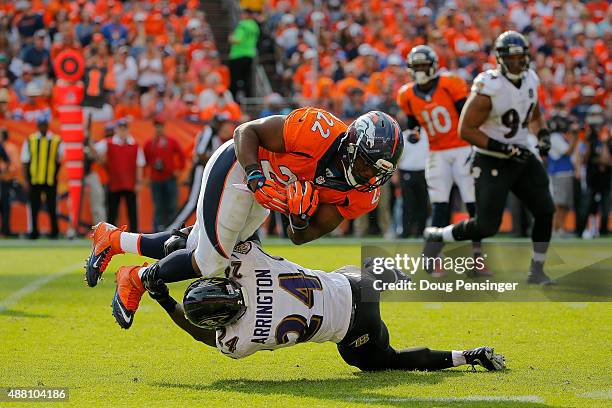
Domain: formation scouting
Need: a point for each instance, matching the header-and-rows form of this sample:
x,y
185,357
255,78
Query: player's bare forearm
x,y
250,136
324,220
537,121
177,315
474,114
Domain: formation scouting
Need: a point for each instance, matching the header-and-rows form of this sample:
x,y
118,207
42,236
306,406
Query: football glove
x,y
268,193
178,240
514,152
412,136
302,199
543,142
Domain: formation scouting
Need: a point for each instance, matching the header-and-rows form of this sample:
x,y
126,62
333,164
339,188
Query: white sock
x,y
140,271
447,233
130,242
458,358
539,257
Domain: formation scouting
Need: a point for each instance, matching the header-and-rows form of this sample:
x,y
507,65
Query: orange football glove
x,y
302,199
271,195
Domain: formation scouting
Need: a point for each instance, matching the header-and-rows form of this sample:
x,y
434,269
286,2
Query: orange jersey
x,y
312,137
436,111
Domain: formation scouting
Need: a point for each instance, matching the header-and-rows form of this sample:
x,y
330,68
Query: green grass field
x,y
56,332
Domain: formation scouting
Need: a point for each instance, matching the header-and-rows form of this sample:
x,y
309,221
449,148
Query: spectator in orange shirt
x,y
4,100
128,107
151,102
350,81
222,107
34,106
219,68
64,40
213,92
325,97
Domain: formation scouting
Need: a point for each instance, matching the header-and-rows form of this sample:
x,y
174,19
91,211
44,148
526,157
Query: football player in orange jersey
x,y
434,102
308,165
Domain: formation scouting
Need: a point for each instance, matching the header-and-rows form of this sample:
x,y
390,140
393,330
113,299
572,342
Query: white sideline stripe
x,y
475,398
15,297
603,394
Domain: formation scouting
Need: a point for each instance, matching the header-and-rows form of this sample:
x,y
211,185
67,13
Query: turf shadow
x,y
19,313
362,390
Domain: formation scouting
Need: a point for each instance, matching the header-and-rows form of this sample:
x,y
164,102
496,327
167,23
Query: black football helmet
x,y
371,148
559,123
508,44
420,56
211,303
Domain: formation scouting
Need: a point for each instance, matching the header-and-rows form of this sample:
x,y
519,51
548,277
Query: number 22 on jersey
x,y
318,126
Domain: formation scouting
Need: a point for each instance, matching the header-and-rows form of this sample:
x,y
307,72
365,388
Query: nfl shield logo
x,y
531,92
320,180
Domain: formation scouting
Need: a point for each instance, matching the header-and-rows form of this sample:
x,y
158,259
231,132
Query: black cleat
x,y
433,234
537,276
485,357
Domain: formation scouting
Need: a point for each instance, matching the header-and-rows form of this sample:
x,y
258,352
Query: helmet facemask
x,y
504,54
422,72
362,173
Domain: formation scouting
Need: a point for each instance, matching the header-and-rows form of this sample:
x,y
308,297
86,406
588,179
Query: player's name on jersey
x,y
459,285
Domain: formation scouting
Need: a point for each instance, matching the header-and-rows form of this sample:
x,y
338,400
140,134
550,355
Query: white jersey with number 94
x,y
511,108
286,304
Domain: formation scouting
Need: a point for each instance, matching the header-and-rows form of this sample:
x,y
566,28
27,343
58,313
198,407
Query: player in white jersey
x,y
500,114
266,302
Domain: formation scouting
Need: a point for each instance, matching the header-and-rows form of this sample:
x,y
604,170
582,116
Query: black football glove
x,y
543,142
514,152
178,240
413,136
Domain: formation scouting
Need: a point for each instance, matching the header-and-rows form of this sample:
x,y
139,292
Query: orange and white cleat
x,y
127,295
106,244
481,270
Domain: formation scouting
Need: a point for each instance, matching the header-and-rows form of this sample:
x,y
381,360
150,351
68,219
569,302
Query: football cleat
x,y
485,357
437,271
484,270
537,275
105,245
433,234
127,295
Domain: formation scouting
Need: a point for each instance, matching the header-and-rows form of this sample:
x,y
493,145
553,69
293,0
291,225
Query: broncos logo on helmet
x,y
372,147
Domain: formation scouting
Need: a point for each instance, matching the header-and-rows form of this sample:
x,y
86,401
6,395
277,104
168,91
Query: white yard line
x,y
475,398
15,297
602,394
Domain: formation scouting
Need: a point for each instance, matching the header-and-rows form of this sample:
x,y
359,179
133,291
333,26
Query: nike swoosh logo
x,y
125,317
96,263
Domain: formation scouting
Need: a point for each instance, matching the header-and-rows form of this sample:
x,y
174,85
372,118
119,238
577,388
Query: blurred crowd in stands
x,y
158,60
142,59
349,57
